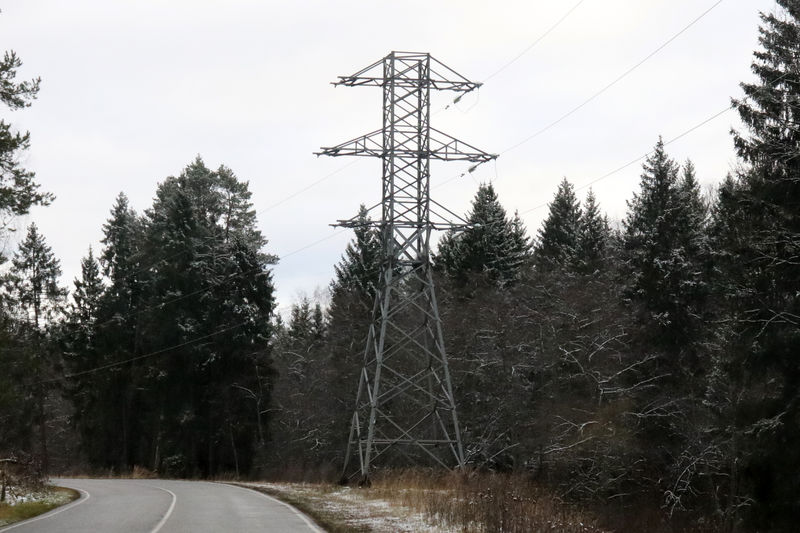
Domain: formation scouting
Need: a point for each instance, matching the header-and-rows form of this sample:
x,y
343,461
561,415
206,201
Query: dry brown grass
x,y
471,502
474,502
140,472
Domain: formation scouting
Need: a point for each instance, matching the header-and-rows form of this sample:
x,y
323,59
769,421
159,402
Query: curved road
x,y
165,506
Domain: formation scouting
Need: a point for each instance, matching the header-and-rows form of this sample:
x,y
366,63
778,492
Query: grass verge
x,y
434,502
45,501
307,500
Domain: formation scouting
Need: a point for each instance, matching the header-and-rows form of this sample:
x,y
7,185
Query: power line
x,y
306,188
643,156
493,74
593,96
231,277
303,248
612,83
517,57
532,45
581,187
327,176
471,169
144,356
182,297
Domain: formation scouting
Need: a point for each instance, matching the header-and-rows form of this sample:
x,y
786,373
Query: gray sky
x,y
132,91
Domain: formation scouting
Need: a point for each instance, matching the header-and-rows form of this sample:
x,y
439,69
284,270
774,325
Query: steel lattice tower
x,y
405,396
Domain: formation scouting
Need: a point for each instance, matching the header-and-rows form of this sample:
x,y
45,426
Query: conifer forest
x,y
646,363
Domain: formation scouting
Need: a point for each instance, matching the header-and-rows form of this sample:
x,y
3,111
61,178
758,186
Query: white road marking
x,y
303,517
84,497
168,513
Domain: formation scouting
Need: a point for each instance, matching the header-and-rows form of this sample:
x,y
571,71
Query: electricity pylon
x,y
405,396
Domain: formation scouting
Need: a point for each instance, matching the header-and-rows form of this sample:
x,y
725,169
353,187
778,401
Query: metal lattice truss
x,y
404,402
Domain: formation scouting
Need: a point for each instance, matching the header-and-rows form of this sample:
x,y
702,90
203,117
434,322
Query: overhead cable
x,y
612,83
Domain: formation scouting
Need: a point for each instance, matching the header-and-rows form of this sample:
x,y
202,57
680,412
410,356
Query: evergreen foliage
x,y
38,300
359,269
594,235
18,190
35,273
757,237
122,235
560,235
192,269
491,246
88,292
666,244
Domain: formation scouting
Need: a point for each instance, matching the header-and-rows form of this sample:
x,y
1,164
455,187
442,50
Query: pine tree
x,y
492,245
560,233
189,280
209,275
18,190
18,193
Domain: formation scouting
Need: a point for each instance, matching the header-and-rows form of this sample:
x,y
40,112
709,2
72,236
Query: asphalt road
x,y
165,506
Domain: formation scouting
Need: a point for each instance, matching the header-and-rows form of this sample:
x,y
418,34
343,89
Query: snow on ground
x,y
15,495
352,507
48,496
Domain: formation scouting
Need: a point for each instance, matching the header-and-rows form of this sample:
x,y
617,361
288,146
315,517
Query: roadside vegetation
x,y
23,503
24,492
428,501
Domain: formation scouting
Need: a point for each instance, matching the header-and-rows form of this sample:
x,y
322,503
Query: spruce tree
x,y
770,110
757,237
352,292
111,397
35,273
87,294
593,236
665,243
90,395
122,236
560,233
358,271
492,245
318,323
301,322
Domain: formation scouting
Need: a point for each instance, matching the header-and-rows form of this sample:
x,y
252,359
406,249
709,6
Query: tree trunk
x,y
43,433
233,447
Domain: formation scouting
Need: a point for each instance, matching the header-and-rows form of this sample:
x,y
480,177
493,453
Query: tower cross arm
x,y
370,145
440,76
447,148
442,146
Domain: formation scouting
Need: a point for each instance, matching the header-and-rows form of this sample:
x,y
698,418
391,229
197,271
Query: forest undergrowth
x,y
471,502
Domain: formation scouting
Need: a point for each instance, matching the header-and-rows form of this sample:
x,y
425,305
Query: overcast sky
x,y
132,91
